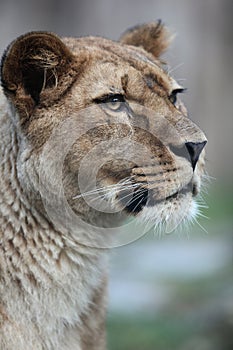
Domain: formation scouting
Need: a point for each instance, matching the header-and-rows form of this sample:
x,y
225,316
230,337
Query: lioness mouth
x,y
186,189
135,201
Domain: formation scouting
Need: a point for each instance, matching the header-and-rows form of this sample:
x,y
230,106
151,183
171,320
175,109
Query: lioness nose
x,y
194,150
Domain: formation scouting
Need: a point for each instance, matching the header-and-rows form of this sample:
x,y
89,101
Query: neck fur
x,y
49,276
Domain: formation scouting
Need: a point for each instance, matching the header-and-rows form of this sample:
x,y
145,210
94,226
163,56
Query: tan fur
x,y
52,285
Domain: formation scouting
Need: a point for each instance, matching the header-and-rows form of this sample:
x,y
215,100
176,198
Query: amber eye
x,y
115,102
173,95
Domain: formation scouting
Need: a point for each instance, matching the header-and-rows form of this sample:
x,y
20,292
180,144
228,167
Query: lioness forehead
x,y
113,64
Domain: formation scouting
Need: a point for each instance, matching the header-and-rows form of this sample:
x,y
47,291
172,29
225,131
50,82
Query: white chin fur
x,y
167,216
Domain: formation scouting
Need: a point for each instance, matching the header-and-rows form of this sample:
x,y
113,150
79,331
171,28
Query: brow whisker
x,y
172,70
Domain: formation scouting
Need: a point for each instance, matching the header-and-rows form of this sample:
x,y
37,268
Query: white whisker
x,y
138,204
198,223
203,216
203,206
131,194
208,177
106,189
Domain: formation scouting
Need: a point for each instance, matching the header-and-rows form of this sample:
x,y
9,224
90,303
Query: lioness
x,y
110,112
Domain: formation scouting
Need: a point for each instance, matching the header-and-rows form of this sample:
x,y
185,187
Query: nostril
x,y
190,151
194,150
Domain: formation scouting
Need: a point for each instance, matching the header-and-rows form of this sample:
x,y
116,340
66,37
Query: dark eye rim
x,y
111,98
174,93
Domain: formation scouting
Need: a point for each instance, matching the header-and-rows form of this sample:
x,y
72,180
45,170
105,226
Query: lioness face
x,y
132,148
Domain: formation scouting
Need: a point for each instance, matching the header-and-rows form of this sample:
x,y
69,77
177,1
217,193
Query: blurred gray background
x,y
175,292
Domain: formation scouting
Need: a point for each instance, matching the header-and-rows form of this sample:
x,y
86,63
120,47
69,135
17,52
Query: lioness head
x,y
105,120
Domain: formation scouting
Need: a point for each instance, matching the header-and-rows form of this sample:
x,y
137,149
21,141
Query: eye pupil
x,y
114,99
114,102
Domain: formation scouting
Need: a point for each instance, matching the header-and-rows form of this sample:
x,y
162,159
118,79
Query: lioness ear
x,y
153,37
32,66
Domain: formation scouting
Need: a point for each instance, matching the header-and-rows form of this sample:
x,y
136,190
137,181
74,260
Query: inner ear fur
x,y
33,63
153,37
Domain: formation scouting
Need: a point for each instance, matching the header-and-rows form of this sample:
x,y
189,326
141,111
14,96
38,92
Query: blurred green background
x,y
175,291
